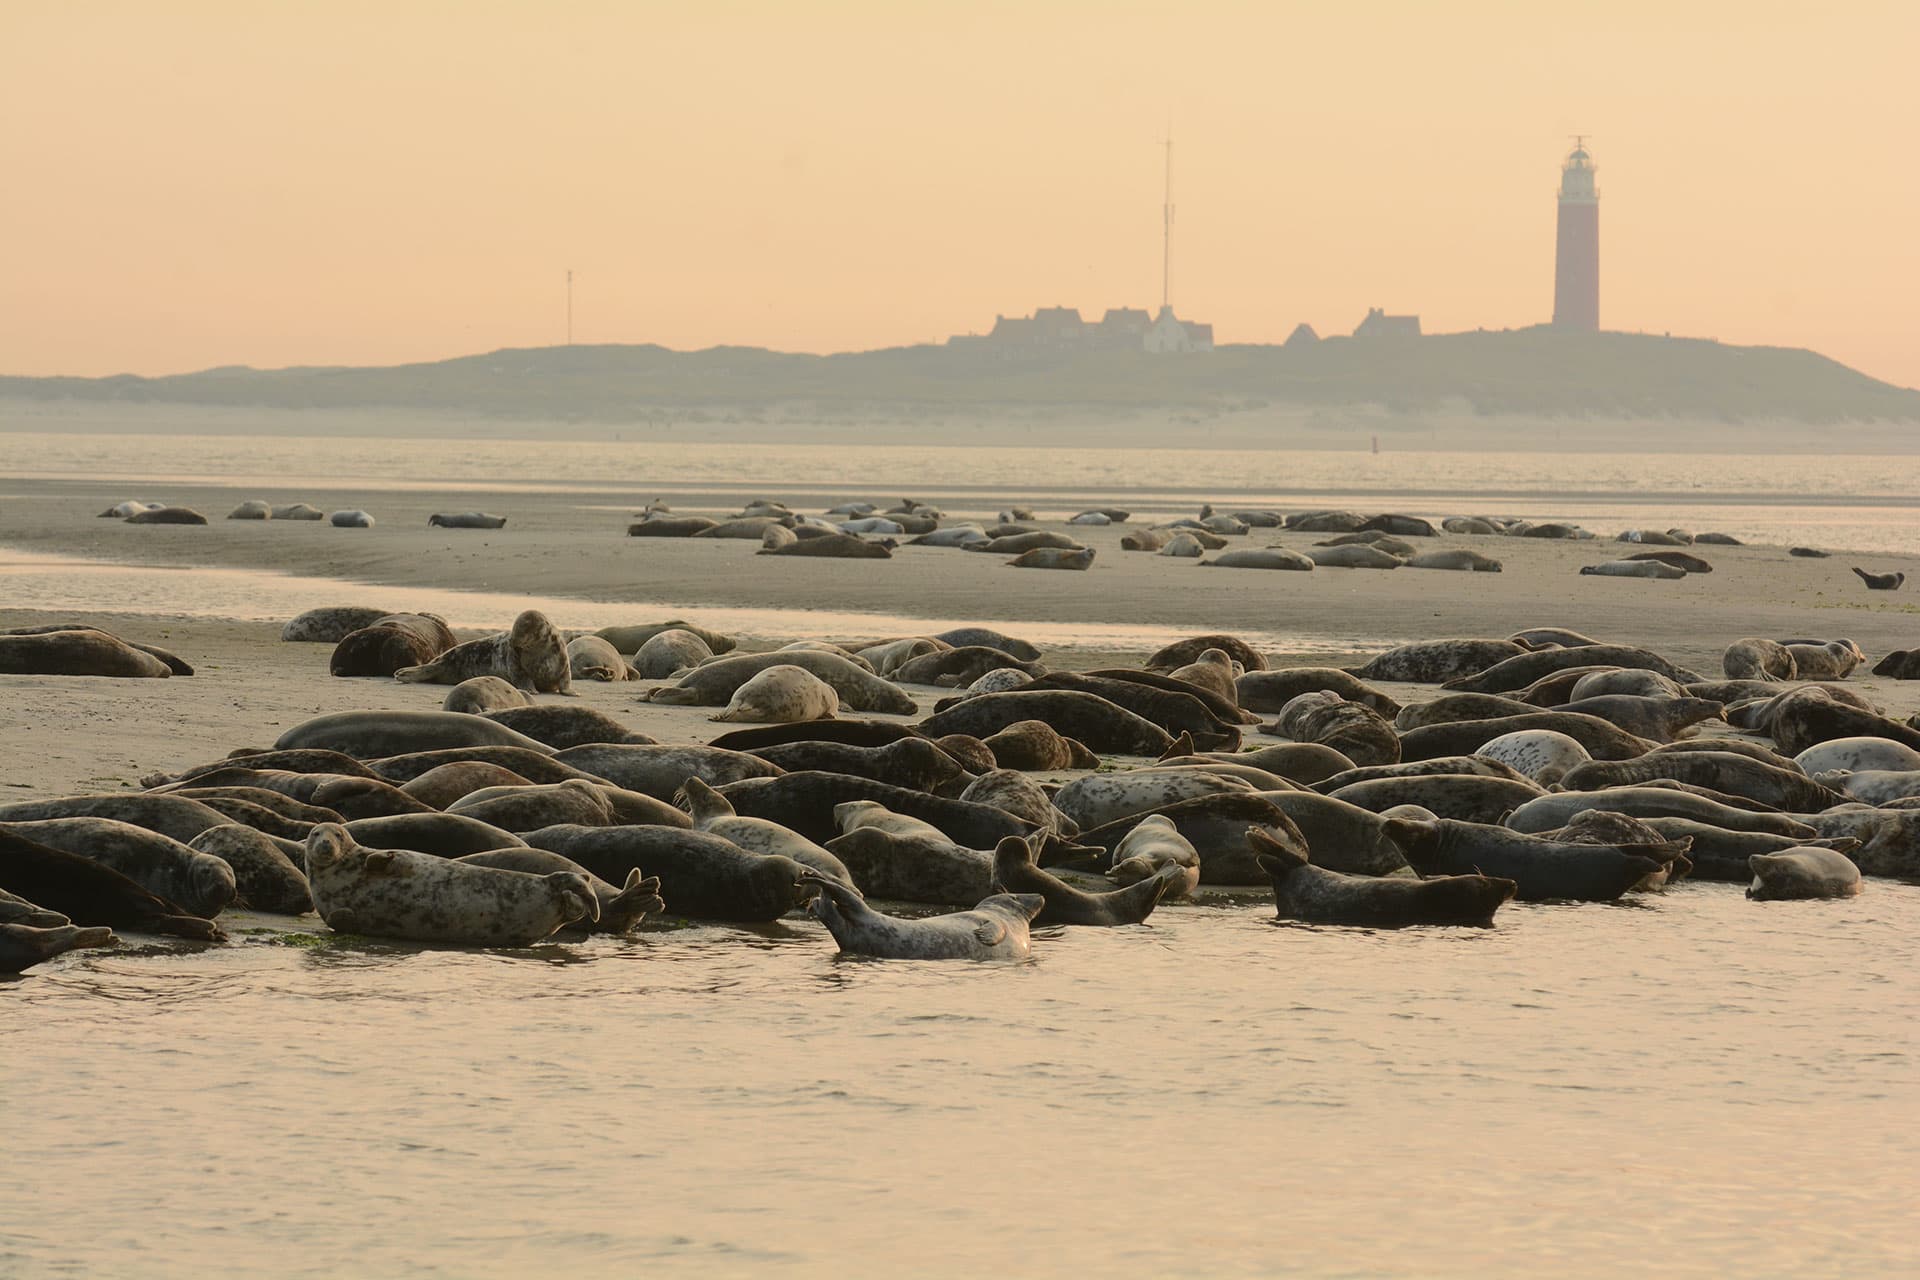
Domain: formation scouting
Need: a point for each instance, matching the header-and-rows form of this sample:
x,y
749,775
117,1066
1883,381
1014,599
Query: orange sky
x,y
193,184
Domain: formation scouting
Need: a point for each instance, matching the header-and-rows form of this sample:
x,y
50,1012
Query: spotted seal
x,y
659,770
167,515
91,893
529,656
910,761
1721,771
1523,669
482,694
1102,798
200,883
1858,755
1543,755
1459,558
1182,652
451,782
465,520
1470,798
1259,558
996,929
354,519
905,863
265,875
330,625
1272,690
1757,658
1087,718
23,946
836,546
781,694
1015,870
1432,661
445,835
399,893
565,725
622,907
702,877
1602,739
1358,732
1658,719
668,653
630,639
712,814
1034,745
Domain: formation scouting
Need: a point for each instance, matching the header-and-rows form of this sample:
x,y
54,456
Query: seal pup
x,y
330,625
465,520
482,694
1802,873
996,929
713,814
23,946
92,893
1016,871
529,656
354,519
1156,847
781,694
1880,581
1314,895
398,893
622,907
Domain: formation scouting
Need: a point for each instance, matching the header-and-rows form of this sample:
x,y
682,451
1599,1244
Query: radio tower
x,y
1166,230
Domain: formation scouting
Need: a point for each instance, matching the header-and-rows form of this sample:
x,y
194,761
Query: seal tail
x,y
1183,745
702,801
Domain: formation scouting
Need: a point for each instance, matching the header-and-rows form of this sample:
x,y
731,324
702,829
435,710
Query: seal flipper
x,y
703,802
1183,745
638,899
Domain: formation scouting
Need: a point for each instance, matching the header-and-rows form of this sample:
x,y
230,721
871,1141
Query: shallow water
x,y
1860,503
1691,1084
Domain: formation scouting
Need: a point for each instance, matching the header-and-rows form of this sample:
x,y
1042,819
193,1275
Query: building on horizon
x,y
1063,329
1576,259
1378,324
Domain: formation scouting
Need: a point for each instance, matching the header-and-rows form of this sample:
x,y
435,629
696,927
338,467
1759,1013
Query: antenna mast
x,y
1166,225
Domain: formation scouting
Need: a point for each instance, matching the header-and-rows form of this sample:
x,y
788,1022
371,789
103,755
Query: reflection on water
x,y
1704,1086
55,583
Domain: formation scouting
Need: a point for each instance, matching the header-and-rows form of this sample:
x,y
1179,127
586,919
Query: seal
x,y
265,877
1833,660
1539,869
1215,673
1259,558
1810,715
298,511
1021,796
1673,559
1721,771
1874,786
911,761
1354,555
1339,835
1757,658
483,694
575,802
17,910
775,536
1273,690
996,929
1858,755
1182,652
814,803
1452,708
1432,661
1469,797
714,815
631,639
1460,558
1602,739
1358,732
399,893
715,683
1472,525
391,643
1658,719
1880,581
530,656
534,764
961,637
837,546
1090,719
79,652
1053,558
449,783
592,658
1185,545
201,884
622,907
465,520
330,626
660,770
1541,754
1523,670
669,526
668,653
1102,798
1156,848
23,946
852,733
445,835
902,863
564,726
1216,826
1034,746
167,515
254,510
1628,681
1370,538
91,893
702,877
1315,895
355,519
1466,766
783,695
962,665
174,816
373,735
1145,539
1176,707
1016,871
1802,873
1551,812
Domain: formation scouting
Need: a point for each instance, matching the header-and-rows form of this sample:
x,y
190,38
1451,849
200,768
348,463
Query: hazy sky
x,y
190,184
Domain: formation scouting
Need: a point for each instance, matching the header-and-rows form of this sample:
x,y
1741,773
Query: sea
x,y
1685,1083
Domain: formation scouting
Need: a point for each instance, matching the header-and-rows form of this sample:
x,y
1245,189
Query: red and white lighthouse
x,y
1576,262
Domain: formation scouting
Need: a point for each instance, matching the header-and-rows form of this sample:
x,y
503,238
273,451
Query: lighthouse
x,y
1576,263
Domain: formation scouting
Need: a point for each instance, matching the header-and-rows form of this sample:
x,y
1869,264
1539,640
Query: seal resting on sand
x,y
530,656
